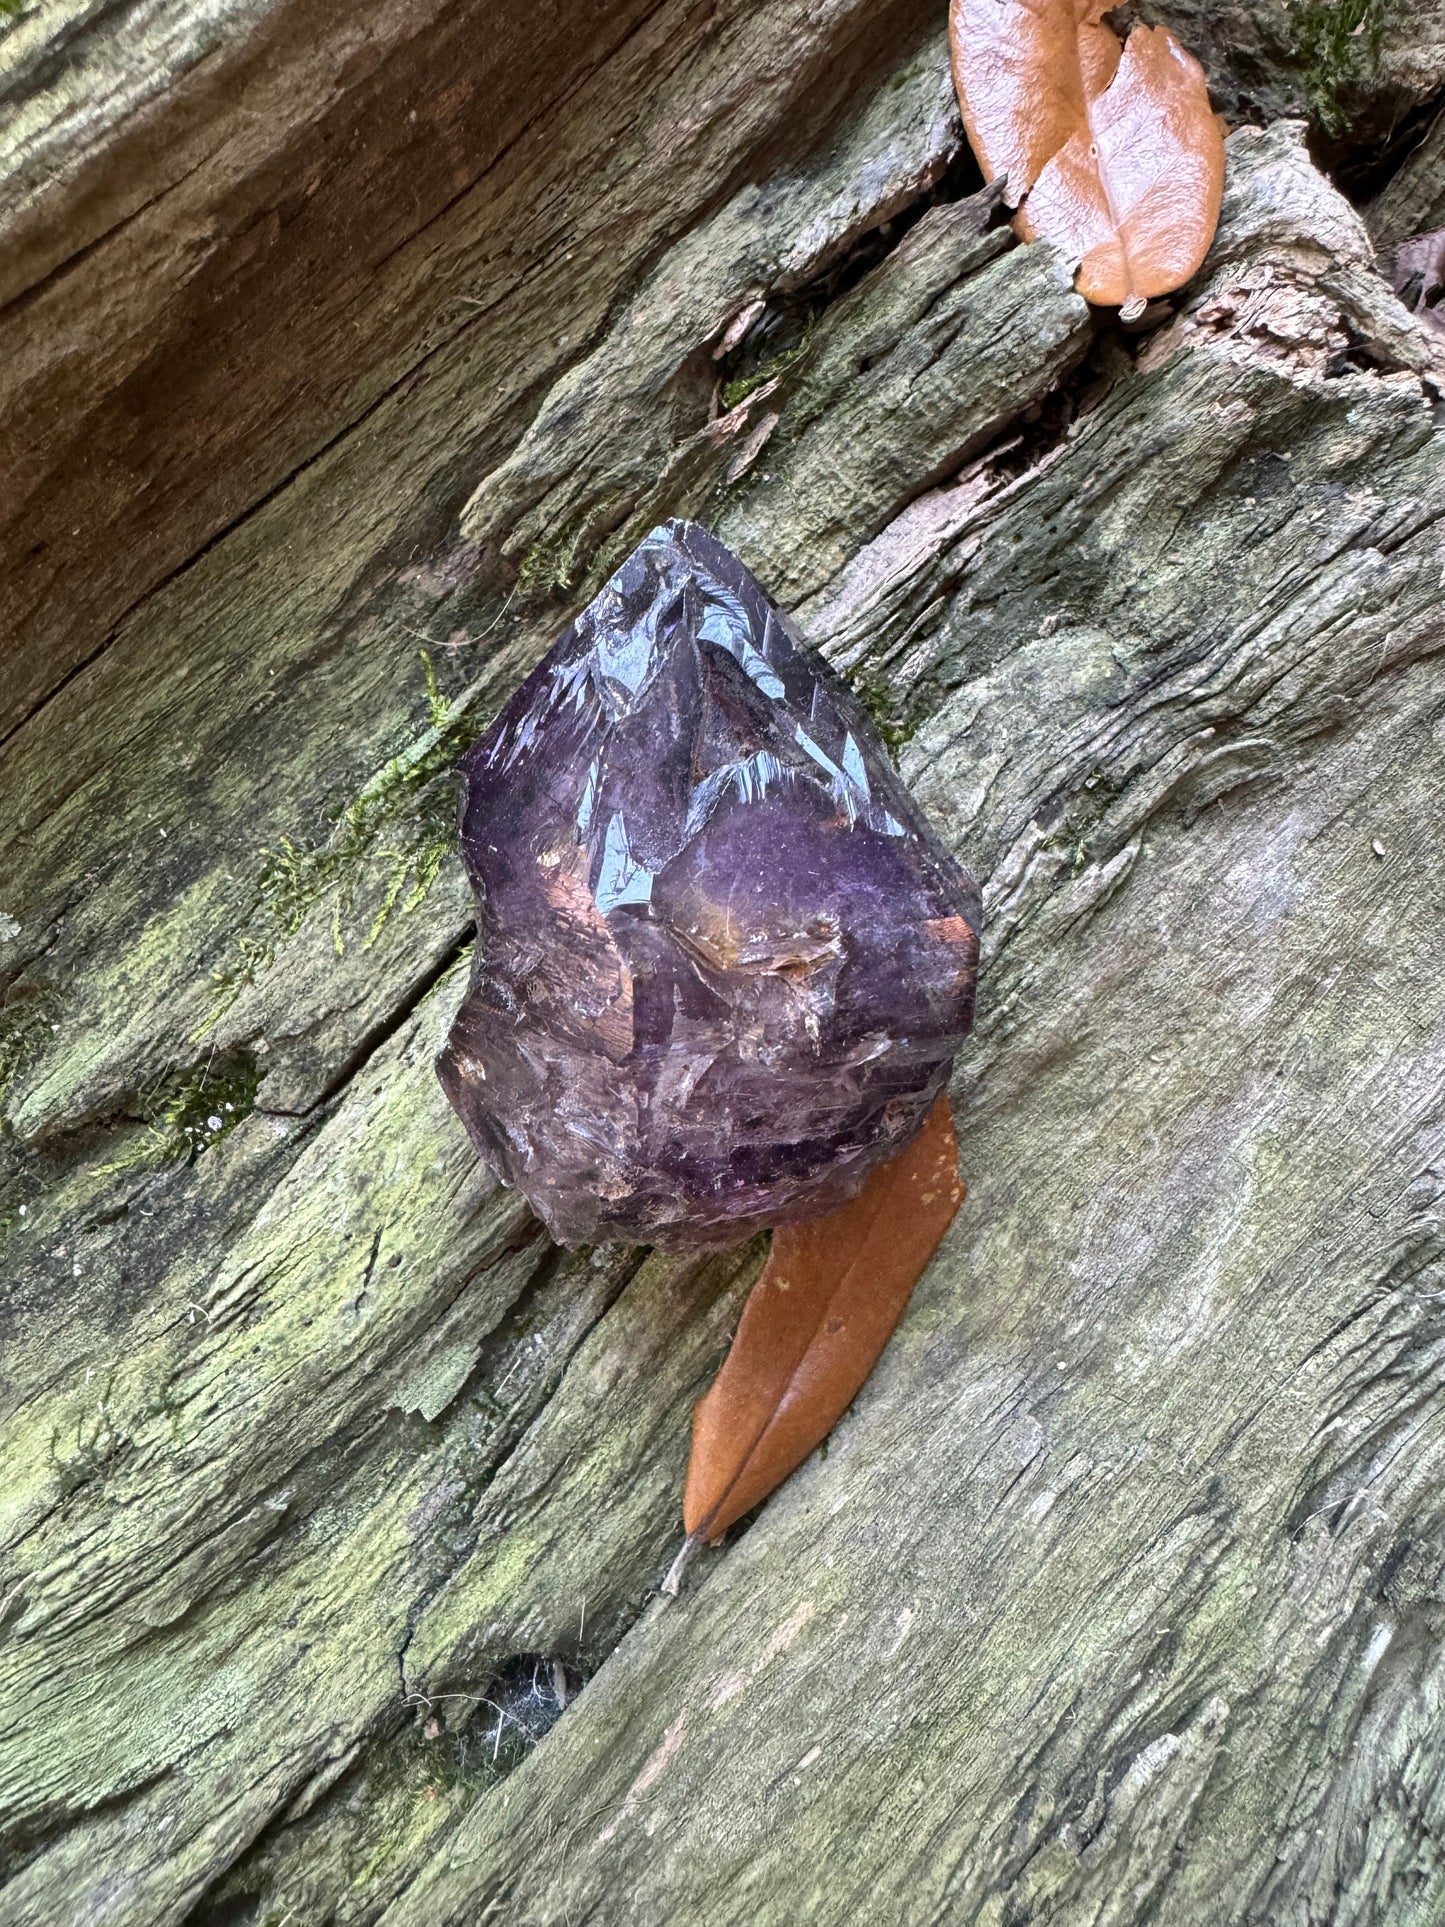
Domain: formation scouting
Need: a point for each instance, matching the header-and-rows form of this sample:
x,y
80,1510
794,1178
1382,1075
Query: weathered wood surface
x,y
1118,1597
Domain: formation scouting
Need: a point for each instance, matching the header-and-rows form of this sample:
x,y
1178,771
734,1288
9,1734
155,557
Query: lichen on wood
x,y
335,1499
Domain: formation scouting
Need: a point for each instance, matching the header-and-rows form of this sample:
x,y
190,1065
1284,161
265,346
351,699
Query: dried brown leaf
x,y
1113,153
812,1331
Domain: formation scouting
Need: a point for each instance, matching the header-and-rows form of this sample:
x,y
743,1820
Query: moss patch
x,y
403,819
882,704
550,569
188,1112
777,363
1340,42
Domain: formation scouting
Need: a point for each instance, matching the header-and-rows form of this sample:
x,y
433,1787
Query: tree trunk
x,y
345,355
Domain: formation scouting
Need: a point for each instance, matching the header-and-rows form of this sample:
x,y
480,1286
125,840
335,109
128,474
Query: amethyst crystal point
x,y
723,962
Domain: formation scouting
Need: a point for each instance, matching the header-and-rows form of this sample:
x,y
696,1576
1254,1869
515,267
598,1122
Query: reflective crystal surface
x,y
723,962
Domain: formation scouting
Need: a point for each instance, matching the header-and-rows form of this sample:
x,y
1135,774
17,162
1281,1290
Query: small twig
x,y
497,1389
429,1700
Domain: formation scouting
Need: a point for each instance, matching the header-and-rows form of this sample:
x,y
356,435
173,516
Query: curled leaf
x,y
812,1331
1113,153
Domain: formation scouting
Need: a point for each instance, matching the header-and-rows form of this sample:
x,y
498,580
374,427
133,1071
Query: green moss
x,y
562,565
881,703
404,819
1074,838
744,385
186,1114
1340,44
539,575
551,568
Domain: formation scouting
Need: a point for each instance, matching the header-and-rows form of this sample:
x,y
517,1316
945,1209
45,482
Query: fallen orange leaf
x,y
818,1318
1113,153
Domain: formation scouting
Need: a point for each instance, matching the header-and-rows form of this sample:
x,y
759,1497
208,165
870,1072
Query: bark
x,y
343,360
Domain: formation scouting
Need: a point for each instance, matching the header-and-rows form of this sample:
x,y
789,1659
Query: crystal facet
x,y
723,962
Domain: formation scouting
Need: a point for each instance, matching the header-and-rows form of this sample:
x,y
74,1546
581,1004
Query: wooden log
x,y
334,1499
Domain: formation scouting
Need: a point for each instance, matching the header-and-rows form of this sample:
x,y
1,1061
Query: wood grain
x,y
1118,1594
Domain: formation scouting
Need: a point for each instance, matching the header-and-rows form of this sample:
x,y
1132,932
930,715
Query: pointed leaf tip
x,y
812,1330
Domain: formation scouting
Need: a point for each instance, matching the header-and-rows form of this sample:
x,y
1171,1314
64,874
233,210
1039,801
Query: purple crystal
x,y
723,962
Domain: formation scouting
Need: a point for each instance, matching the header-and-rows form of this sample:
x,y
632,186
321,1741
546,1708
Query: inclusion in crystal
x,y
723,962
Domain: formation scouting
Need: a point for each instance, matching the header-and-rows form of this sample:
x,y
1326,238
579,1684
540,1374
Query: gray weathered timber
x,y
327,1482
1413,200
319,224
1118,1597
